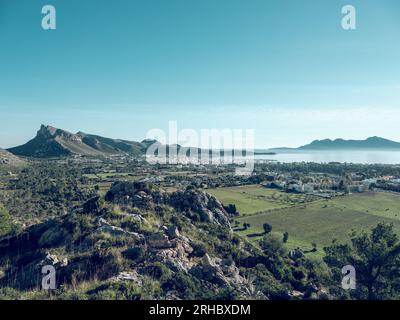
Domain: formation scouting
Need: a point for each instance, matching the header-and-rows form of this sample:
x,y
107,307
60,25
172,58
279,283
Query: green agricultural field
x,y
322,221
308,219
253,199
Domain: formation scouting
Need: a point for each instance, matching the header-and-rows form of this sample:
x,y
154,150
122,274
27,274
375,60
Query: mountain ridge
x,y
53,142
370,143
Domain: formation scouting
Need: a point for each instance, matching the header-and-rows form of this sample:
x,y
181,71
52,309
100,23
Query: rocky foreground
x,y
141,243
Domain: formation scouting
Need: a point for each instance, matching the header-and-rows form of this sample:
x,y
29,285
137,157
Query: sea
x,y
342,156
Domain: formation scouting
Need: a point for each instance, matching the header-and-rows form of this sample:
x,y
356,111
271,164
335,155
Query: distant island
x,y
372,143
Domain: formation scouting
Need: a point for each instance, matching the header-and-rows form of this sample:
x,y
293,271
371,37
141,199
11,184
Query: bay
x,y
342,156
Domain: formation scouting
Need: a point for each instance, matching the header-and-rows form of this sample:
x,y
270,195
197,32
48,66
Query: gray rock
x,y
51,259
129,276
102,222
116,231
173,232
158,241
208,208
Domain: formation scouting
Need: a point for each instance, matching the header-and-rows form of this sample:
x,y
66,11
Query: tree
x,y
272,246
267,228
231,209
285,237
246,226
314,247
376,259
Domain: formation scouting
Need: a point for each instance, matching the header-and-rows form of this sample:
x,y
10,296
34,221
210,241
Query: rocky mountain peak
x,y
47,130
52,132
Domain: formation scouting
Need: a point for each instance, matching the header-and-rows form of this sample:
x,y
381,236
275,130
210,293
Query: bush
x,y
268,284
135,253
272,246
188,287
199,249
105,264
267,228
9,294
123,290
157,271
231,209
7,226
228,294
285,237
52,237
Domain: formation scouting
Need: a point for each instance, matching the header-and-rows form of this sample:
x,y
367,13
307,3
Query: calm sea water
x,y
362,157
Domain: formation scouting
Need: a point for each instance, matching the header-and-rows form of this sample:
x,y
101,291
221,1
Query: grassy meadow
x,y
252,199
308,220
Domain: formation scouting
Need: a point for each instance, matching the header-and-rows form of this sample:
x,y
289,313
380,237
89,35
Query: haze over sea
x,y
343,156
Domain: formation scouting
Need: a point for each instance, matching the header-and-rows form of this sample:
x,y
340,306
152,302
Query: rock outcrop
x,y
137,194
195,204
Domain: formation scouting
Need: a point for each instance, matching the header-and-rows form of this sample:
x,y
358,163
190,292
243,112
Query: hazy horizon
x,y
285,69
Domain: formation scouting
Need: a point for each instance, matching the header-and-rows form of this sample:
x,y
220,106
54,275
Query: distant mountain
x,y
8,158
53,142
372,143
341,144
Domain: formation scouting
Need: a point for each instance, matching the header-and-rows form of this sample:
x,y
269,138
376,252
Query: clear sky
x,y
284,68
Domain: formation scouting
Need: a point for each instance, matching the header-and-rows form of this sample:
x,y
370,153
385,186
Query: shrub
x,y
272,246
7,226
227,294
9,294
267,228
186,286
135,253
157,271
52,237
285,237
124,290
106,263
199,249
268,284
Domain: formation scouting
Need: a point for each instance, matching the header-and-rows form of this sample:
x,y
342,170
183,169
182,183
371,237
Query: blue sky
x,y
284,68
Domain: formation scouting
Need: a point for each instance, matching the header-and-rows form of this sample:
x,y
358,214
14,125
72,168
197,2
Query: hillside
x,y
155,245
53,142
10,159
